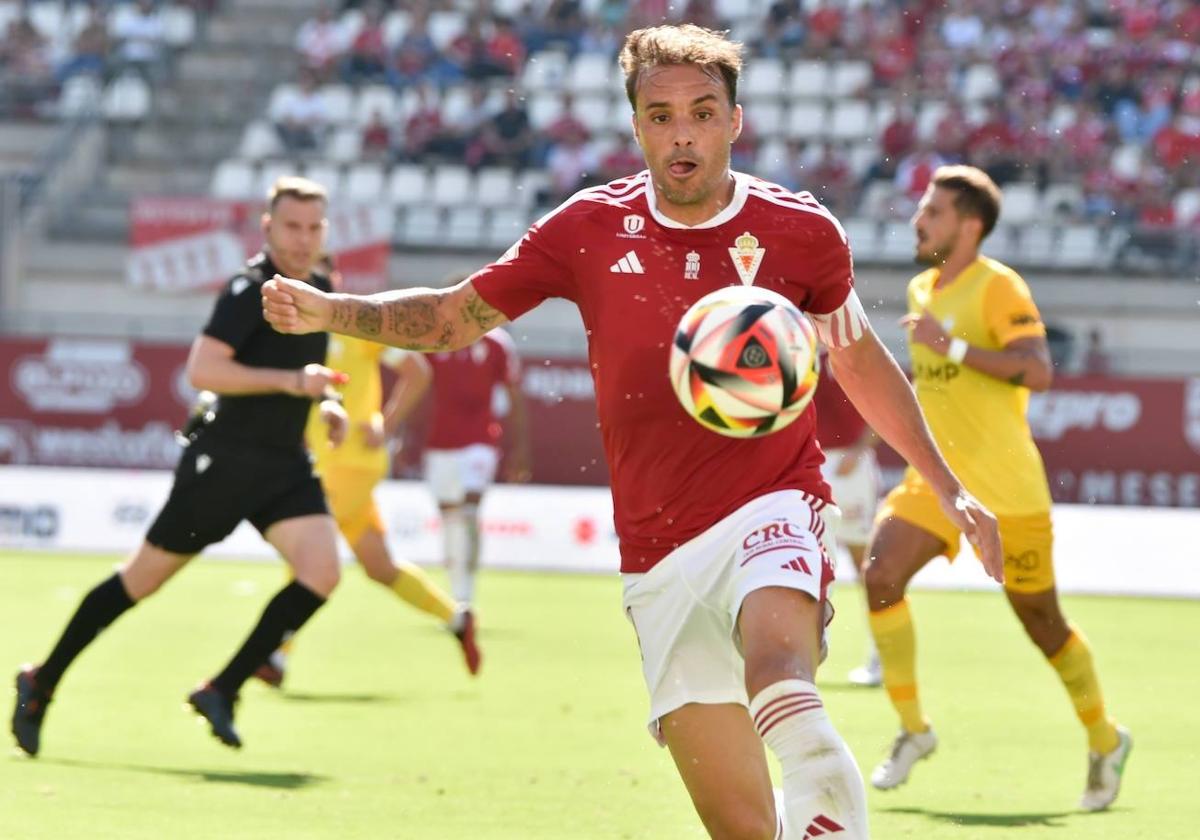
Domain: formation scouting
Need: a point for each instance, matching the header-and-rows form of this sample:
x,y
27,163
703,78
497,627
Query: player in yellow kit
x,y
350,472
978,348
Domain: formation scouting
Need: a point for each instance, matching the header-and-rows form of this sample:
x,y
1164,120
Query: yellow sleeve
x,y
1009,310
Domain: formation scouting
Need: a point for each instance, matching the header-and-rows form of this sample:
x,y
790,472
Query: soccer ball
x,y
744,361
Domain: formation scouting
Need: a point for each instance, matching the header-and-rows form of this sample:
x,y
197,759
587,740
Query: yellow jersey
x,y
362,397
977,420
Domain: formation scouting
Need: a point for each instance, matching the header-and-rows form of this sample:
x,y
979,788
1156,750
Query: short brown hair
x,y
975,193
293,186
686,44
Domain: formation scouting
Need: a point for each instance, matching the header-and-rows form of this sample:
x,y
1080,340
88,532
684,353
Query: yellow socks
x,y
418,589
1073,662
892,628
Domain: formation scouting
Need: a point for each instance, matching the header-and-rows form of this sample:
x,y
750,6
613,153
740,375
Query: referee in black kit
x,y
248,462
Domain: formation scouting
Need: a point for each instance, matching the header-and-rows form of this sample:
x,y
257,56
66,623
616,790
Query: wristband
x,y
957,350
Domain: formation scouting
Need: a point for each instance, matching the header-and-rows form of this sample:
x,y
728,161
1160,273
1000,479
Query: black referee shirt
x,y
269,419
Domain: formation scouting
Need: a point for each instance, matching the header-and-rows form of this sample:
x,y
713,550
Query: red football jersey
x,y
463,386
633,273
838,422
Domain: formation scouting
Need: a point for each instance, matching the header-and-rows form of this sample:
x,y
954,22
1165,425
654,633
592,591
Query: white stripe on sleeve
x,y
844,326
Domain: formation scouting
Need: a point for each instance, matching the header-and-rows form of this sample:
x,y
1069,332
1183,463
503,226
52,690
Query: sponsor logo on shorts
x,y
797,564
775,536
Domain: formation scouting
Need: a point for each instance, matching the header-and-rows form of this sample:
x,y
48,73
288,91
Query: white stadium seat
x,y
1079,247
494,186
849,78
344,145
928,117
339,103
1037,244
1021,204
465,226
444,27
764,78
896,242
373,99
408,185
851,120
766,119
980,82
451,185
863,236
545,70
808,80
126,99
1126,161
506,226
423,226
280,96
1187,206
80,95
544,108
395,24
179,25
366,182
593,111
529,184
590,72
234,179
807,120
260,140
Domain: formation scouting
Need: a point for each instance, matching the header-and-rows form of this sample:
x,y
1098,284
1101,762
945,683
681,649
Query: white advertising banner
x,y
1098,549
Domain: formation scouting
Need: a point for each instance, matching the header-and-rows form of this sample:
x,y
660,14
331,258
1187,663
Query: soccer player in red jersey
x,y
461,453
724,572
852,472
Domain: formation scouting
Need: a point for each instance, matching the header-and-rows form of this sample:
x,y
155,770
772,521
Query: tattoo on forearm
x,y
411,317
343,315
369,318
477,311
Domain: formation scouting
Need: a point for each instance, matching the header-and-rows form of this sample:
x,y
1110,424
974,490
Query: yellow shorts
x,y
1028,540
349,493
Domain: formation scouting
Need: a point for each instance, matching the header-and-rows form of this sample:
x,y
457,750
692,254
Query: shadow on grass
x,y
1051,820
253,778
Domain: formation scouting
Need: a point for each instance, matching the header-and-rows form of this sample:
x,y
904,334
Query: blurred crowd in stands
x,y
45,43
1103,95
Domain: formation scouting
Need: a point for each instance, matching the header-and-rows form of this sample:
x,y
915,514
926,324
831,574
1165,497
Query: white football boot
x,y
1104,774
868,675
907,750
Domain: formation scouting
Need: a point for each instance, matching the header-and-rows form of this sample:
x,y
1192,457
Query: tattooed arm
x,y
415,319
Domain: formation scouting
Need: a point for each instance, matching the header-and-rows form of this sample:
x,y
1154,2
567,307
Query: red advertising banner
x,y
190,244
113,403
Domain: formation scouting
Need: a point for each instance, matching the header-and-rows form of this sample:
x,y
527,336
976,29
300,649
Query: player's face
x,y
686,125
295,234
938,226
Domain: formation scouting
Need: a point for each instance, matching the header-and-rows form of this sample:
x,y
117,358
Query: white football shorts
x,y
685,609
453,473
855,494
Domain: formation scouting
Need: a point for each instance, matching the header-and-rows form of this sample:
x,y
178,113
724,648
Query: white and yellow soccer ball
x,y
744,361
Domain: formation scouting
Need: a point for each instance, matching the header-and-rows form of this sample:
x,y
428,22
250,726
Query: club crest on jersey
x,y
634,225
691,266
747,257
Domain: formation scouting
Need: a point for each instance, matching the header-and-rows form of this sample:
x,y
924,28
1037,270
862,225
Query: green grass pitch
x,y
381,734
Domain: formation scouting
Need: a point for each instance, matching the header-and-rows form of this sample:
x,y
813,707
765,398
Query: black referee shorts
x,y
219,482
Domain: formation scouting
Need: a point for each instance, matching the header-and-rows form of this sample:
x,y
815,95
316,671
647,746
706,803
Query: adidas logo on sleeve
x,y
628,264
